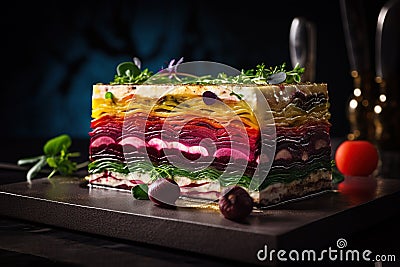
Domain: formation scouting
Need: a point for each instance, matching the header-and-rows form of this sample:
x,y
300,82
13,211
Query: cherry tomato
x,y
356,158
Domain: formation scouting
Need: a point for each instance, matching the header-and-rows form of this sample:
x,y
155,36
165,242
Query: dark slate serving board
x,y
314,222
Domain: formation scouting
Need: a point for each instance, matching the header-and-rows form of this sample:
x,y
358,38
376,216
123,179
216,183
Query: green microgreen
x,y
56,156
273,75
130,73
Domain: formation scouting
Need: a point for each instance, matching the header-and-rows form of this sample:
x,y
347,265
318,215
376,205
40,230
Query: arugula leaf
x,y
140,192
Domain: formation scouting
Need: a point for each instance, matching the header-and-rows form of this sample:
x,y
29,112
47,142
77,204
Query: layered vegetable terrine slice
x,y
142,132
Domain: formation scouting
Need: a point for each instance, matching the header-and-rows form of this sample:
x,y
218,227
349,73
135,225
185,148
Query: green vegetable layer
x,y
280,175
276,175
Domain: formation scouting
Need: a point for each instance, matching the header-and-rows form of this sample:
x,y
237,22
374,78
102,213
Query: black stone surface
x,y
315,222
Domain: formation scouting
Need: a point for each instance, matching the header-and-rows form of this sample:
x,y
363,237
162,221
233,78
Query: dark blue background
x,y
53,53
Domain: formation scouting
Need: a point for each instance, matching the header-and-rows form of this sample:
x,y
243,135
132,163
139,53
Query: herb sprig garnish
x,y
272,75
130,73
56,156
261,75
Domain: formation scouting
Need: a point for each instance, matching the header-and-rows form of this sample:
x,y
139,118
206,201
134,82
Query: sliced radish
x,y
179,146
102,140
228,152
133,141
157,143
198,150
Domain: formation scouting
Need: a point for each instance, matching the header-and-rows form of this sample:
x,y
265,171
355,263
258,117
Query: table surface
x,y
24,243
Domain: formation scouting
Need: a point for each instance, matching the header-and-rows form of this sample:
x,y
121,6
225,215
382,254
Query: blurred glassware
x,y
387,63
303,47
386,109
360,104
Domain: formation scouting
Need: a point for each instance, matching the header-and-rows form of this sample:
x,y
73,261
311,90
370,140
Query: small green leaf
x,y
128,69
55,145
52,162
140,192
66,167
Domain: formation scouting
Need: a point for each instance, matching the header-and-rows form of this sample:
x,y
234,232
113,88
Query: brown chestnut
x,y
235,203
164,192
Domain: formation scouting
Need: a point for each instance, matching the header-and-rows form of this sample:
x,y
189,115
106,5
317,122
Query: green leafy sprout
x,y
271,75
130,73
56,156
